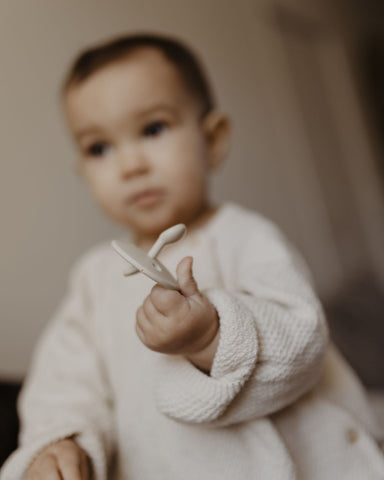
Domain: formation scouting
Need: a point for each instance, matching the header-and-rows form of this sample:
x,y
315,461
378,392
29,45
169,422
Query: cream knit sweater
x,y
279,403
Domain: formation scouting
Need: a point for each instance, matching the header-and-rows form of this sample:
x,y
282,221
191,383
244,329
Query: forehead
x,y
138,82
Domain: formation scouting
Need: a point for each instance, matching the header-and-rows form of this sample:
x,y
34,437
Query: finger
x,y
165,300
144,330
152,313
71,472
140,333
185,278
47,469
69,465
85,467
142,320
143,325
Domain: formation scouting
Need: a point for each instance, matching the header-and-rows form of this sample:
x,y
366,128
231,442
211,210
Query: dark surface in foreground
x,y
9,424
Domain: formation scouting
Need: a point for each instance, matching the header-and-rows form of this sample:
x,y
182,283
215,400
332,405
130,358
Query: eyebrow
x,y
138,115
91,130
154,108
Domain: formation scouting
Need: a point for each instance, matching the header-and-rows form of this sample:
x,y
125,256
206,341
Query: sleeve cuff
x,y
185,393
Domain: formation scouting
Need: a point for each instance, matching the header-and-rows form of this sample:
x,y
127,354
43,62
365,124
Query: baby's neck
x,y
146,242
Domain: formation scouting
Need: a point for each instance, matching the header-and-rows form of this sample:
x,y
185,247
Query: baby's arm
x,y
272,337
66,394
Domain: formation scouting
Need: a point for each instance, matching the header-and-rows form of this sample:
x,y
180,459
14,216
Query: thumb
x,y
187,283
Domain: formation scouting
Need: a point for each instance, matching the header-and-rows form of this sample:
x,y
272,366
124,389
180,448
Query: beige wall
x,y
47,220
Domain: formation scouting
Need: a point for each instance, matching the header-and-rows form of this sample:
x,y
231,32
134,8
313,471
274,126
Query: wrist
x,y
203,358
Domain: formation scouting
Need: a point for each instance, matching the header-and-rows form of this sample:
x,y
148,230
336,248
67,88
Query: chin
x,y
152,221
148,225
156,226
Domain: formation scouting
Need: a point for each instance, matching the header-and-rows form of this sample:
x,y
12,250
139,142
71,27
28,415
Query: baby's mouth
x,y
146,198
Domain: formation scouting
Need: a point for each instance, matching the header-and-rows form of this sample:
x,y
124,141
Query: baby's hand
x,y
62,460
183,323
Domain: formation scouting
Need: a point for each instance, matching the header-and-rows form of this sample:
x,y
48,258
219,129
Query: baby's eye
x,y
98,149
154,129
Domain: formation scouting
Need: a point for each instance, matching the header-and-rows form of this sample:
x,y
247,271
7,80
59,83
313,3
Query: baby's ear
x,y
217,129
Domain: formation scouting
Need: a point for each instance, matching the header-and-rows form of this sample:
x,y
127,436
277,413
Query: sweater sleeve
x,y
273,339
66,393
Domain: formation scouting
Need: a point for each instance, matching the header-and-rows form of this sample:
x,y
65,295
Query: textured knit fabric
x,y
279,403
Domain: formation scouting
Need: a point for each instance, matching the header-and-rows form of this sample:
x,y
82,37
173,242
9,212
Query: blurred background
x,y
303,81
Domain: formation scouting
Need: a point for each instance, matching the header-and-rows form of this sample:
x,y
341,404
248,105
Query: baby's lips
x,y
146,197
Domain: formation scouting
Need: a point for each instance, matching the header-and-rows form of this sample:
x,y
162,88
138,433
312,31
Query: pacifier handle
x,y
170,235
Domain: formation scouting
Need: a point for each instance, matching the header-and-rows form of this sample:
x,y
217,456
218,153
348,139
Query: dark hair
x,y
180,56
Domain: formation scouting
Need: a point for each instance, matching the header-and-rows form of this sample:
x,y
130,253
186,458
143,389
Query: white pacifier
x,y
147,263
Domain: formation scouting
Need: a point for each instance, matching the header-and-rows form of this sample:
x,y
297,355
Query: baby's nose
x,y
132,162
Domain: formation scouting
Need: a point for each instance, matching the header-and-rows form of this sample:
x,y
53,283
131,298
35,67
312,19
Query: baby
x,y
232,377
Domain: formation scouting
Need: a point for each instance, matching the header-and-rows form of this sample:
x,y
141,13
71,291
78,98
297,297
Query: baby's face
x,y
142,143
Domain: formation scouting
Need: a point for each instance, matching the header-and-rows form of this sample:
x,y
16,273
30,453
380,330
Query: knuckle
x,y
156,289
139,331
140,315
143,326
147,306
157,340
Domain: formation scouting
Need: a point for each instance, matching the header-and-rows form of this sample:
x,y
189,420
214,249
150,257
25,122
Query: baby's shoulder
x,y
240,226
241,219
244,238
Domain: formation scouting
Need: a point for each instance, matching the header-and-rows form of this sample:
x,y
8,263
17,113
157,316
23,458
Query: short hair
x,y
179,55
